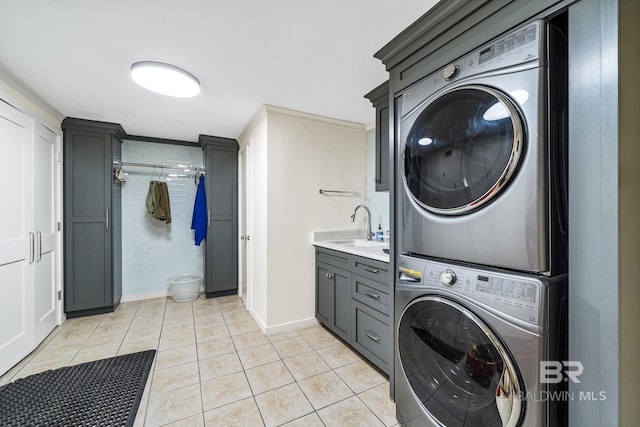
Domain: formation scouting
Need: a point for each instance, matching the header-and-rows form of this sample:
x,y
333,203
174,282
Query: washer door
x,y
457,368
462,149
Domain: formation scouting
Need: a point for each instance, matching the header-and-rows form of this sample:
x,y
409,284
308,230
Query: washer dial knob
x,y
448,277
450,71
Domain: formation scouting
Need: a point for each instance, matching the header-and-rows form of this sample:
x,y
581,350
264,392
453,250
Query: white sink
x,y
359,243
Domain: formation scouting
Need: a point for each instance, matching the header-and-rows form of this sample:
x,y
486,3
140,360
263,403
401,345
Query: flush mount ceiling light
x,y
165,79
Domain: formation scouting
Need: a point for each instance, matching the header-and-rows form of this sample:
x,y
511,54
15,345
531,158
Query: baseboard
x,y
140,297
291,326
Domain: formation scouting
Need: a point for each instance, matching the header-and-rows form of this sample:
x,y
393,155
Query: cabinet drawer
x,y
334,258
371,293
372,335
372,269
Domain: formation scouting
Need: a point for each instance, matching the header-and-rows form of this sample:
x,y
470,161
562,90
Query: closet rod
x,y
151,165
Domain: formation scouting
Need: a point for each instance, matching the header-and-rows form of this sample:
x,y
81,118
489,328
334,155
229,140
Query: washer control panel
x,y
516,296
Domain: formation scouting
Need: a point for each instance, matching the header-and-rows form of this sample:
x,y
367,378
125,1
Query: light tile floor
x,y
214,367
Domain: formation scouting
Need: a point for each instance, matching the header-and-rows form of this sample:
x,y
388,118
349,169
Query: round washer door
x,y
457,368
462,149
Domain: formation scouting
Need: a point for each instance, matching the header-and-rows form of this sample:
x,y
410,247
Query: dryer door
x,y
463,148
457,368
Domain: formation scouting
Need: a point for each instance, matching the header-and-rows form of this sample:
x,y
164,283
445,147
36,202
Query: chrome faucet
x,y
353,219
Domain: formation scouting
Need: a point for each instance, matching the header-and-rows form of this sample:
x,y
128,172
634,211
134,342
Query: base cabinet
x,y
352,300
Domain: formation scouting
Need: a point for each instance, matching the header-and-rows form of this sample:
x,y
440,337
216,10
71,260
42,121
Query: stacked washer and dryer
x,y
481,286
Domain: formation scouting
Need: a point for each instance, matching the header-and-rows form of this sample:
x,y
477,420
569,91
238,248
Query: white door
x,y
244,247
45,235
17,239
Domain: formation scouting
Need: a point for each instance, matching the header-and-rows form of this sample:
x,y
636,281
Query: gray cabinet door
x,y
382,148
221,187
342,303
324,294
333,299
92,281
379,97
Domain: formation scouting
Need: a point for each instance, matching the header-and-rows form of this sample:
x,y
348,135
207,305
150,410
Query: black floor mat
x,y
106,392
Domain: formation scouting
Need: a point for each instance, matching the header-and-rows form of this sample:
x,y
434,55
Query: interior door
x,y
45,234
244,261
17,239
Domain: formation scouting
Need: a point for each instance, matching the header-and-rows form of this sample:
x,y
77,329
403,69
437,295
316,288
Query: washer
x,y
470,343
482,152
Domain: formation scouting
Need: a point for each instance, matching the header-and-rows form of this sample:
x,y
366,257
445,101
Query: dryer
x,y
482,167
469,346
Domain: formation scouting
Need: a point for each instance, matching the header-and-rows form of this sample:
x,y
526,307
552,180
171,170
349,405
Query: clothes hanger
x,y
154,173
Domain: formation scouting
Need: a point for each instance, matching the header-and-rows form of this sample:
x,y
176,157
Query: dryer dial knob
x,y
450,71
448,277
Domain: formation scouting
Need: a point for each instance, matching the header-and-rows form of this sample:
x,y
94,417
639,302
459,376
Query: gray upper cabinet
x,y
379,97
221,187
92,217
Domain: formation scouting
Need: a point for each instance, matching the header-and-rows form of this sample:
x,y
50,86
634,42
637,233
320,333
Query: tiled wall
x,y
153,251
377,202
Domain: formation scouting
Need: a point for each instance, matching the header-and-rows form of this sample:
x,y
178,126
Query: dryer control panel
x,y
513,295
523,47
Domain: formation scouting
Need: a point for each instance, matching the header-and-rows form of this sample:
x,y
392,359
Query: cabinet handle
x,y
208,218
106,220
369,294
371,336
329,275
39,234
369,269
31,248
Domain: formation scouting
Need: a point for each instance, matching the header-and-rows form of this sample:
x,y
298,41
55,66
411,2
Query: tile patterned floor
x,y
215,368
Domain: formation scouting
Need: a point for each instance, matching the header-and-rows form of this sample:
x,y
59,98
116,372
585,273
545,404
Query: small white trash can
x,y
185,287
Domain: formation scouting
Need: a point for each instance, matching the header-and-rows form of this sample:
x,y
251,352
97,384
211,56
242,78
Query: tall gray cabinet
x,y
221,186
92,217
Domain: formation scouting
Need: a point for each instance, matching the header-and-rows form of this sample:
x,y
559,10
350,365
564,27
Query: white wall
x,y
294,156
153,251
306,153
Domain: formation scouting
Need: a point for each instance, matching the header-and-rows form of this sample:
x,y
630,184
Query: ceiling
x,y
315,57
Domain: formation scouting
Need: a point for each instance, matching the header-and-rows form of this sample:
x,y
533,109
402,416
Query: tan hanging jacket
x,y
162,205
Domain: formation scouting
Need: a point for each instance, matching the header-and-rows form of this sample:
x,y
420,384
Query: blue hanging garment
x,y
199,218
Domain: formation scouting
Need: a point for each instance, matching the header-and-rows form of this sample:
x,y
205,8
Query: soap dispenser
x,y
379,235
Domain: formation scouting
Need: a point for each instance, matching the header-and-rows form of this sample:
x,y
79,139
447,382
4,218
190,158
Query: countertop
x,y
365,248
